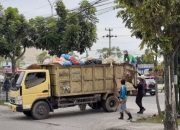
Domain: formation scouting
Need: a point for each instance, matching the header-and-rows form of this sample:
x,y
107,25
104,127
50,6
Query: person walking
x,y
139,96
123,99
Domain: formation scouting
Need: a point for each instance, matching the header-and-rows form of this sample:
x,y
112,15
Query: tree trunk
x,y
170,119
156,87
157,101
176,85
13,62
179,99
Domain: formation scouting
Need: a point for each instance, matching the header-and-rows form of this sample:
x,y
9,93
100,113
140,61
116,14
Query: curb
x,y
6,103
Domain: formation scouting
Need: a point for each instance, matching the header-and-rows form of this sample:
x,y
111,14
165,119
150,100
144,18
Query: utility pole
x,y
51,5
109,36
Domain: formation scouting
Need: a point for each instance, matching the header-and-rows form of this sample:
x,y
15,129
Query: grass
x,y
154,119
1,102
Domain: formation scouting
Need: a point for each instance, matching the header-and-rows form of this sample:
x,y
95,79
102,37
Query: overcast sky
x,y
32,8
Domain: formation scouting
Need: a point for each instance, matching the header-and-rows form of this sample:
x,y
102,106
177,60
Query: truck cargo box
x,y
89,79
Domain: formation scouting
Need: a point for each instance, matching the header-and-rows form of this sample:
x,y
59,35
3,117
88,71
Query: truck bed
x,y
89,79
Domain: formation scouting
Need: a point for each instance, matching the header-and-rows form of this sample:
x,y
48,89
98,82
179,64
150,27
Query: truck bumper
x,y
15,108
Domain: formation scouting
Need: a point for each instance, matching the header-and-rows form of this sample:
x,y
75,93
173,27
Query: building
x,y
30,56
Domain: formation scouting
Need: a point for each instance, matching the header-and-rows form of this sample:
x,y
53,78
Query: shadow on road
x,y
62,114
20,118
75,113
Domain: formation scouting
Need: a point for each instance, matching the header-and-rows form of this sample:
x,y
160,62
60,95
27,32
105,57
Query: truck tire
x,y
82,107
110,104
95,106
27,113
40,110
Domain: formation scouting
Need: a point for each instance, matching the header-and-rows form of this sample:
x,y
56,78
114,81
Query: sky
x,y
33,8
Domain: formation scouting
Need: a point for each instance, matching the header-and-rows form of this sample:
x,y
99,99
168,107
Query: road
x,y
73,119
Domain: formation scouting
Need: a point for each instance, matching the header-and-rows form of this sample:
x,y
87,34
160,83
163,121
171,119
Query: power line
x,y
104,4
105,10
95,3
91,5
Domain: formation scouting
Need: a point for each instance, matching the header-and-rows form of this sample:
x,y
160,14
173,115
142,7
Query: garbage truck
x,y
39,91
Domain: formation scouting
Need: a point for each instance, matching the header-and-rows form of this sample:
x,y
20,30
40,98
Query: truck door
x,y
36,86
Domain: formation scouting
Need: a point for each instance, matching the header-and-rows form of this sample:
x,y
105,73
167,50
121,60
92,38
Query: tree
x,y
70,31
20,62
2,61
14,36
104,52
42,56
157,23
148,57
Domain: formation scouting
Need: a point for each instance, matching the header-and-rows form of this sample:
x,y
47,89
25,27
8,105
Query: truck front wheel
x,y
40,110
110,104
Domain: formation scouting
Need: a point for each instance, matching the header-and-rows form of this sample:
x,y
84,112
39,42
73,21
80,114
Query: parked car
x,y
150,85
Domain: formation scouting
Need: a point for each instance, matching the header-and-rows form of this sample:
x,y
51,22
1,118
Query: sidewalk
x,y
138,126
149,103
133,125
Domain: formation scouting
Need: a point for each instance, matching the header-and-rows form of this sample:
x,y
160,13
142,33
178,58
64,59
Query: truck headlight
x,y
18,100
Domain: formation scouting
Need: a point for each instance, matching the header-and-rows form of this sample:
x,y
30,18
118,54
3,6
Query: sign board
x,y
144,68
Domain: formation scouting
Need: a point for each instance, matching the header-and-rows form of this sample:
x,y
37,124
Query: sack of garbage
x,y
82,62
89,62
66,63
66,56
93,61
61,60
97,61
74,60
58,60
48,61
110,60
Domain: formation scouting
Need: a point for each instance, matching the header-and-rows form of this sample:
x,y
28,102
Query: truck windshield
x,y
16,82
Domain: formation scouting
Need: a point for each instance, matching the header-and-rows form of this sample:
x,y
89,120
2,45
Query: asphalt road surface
x,y
73,119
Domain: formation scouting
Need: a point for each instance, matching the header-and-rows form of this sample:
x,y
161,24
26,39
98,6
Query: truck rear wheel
x,y
27,113
110,104
40,110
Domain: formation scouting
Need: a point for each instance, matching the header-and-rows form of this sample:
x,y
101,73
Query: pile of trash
x,y
68,60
